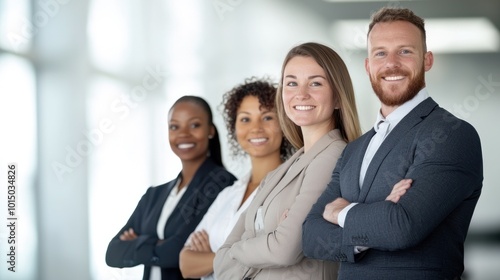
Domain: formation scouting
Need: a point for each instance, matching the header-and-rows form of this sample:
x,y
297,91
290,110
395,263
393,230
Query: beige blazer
x,y
275,252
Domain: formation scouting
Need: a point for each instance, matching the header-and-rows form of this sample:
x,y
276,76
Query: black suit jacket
x,y
422,236
208,181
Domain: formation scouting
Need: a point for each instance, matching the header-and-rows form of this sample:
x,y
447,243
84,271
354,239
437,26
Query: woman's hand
x,y
128,235
200,242
399,190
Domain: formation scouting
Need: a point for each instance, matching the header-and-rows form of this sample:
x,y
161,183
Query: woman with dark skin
x,y
167,214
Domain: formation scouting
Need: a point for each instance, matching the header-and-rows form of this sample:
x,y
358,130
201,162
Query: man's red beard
x,y
415,85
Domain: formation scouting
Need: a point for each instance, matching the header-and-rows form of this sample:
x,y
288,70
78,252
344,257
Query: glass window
x,y
16,27
118,166
18,145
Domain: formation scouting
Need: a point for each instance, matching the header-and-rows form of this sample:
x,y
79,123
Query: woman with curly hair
x,y
253,130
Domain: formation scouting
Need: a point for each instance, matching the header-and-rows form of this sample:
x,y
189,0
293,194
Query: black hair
x,y
214,142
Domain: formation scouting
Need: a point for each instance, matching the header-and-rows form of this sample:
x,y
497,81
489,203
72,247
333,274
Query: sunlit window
x,y
19,132
109,32
16,27
18,145
127,114
118,174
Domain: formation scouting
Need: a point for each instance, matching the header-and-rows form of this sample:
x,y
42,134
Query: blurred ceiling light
x,y
362,0
452,35
17,28
109,34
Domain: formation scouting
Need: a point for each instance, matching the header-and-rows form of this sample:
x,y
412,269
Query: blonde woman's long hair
x,y
346,116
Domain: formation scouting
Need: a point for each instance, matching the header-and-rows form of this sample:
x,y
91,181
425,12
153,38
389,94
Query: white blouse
x,y
168,208
224,213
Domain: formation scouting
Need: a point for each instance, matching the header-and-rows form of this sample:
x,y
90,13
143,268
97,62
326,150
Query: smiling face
x,y
396,61
189,131
257,129
307,95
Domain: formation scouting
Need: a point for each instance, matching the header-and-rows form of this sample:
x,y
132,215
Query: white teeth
x,y
185,146
304,107
395,78
258,140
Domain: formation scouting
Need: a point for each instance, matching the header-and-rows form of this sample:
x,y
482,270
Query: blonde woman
x,y
316,106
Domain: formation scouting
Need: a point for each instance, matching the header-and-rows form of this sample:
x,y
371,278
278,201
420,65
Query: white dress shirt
x,y
169,206
223,214
392,120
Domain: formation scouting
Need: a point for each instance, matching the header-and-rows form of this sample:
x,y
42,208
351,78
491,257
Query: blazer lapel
x,y
298,163
189,199
160,201
306,158
281,177
274,179
270,182
352,194
196,183
408,122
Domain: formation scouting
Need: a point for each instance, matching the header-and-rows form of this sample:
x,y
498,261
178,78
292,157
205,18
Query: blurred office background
x,y
85,87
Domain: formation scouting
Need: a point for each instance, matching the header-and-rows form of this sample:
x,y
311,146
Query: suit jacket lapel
x,y
397,133
298,163
273,181
196,183
306,158
352,194
188,199
160,201
280,179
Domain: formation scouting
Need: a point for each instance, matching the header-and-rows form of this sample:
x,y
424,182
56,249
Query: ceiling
x,y
424,8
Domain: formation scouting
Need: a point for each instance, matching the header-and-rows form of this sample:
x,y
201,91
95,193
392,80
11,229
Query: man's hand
x,y
399,190
333,209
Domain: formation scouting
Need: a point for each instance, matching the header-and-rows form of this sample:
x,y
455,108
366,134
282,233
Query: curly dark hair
x,y
265,90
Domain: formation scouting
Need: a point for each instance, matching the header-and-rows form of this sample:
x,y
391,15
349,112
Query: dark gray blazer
x,y
422,236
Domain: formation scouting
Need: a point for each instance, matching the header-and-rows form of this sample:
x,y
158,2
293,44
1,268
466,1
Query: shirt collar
x,y
397,115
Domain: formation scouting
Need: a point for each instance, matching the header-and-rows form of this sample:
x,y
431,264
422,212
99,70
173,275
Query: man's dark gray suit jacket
x,y
420,237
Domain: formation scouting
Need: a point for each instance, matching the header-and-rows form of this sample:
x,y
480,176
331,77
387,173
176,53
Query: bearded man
x,y
402,195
